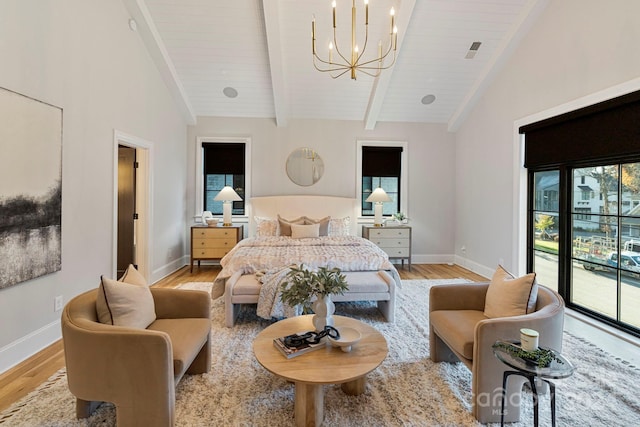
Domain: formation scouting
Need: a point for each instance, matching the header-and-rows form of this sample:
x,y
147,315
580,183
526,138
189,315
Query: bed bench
x,y
376,286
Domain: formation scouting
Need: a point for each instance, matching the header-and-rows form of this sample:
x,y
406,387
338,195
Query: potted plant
x,y
301,285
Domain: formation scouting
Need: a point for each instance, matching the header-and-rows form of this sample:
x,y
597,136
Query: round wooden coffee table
x,y
329,365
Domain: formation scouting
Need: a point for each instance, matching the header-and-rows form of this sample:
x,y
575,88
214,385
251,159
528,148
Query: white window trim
x,y
200,174
404,175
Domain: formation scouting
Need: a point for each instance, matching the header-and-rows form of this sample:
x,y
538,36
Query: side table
x,y
559,368
394,240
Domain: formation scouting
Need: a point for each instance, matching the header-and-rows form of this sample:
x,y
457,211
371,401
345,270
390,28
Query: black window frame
x,y
605,133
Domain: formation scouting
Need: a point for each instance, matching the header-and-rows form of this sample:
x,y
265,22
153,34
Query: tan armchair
x,y
136,369
460,331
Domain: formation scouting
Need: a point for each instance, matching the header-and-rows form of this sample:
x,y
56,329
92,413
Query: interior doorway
x,y
132,213
127,214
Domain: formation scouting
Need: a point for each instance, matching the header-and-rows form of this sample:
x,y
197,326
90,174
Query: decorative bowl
x,y
348,338
212,222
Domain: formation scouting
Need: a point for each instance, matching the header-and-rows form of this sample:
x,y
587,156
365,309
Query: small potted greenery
x,y
301,285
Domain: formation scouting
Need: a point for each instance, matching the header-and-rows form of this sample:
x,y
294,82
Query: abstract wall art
x,y
30,188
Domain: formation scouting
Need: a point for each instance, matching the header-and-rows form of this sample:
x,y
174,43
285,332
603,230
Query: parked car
x,y
630,261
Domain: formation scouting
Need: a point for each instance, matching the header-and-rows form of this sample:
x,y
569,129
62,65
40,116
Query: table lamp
x,y
378,197
227,195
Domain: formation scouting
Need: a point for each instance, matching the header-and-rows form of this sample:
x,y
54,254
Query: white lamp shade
x,y
378,195
227,194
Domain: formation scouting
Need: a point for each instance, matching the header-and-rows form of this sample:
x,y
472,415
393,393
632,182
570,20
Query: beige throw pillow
x,y
305,231
324,224
285,225
125,304
133,276
510,296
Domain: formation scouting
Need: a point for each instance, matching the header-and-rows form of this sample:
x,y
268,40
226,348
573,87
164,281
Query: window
x,y
223,165
382,164
587,245
220,162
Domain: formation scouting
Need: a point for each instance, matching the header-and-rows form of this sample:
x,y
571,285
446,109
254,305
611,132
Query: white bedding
x,y
257,254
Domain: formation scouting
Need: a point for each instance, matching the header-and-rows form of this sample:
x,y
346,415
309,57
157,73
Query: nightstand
x,y
394,240
213,243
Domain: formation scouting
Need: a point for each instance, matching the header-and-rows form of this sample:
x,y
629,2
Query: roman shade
x,y
609,130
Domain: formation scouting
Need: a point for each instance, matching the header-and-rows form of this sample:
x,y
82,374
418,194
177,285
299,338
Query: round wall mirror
x,y
304,166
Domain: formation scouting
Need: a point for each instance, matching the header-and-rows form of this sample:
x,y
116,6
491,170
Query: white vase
x,y
323,308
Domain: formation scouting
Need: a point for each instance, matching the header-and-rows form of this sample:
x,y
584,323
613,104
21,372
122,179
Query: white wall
x,y
431,167
576,48
81,56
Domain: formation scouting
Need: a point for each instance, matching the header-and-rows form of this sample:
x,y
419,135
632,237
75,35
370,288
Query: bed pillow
x,y
133,276
305,231
510,296
324,224
339,226
266,227
285,225
124,304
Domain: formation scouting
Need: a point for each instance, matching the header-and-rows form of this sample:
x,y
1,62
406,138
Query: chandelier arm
x,y
363,70
364,48
339,75
381,60
316,57
335,44
337,67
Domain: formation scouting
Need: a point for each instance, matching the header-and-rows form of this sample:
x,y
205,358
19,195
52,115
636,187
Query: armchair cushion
x,y
510,296
124,304
457,328
187,338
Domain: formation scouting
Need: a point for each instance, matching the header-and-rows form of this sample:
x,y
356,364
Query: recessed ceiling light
x,y
230,92
428,99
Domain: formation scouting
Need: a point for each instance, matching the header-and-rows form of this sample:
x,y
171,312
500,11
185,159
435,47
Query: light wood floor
x,y
28,375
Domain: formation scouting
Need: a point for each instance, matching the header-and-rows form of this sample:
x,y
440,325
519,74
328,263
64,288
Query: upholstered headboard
x,y
294,206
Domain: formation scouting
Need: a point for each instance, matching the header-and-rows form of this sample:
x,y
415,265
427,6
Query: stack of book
x,y
290,351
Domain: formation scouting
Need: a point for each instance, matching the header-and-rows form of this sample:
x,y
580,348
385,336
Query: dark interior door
x,y
126,207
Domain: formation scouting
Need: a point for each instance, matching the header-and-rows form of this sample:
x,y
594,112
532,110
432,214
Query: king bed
x,y
311,230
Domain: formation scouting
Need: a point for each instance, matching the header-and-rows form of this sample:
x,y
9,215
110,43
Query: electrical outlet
x,y
57,303
463,249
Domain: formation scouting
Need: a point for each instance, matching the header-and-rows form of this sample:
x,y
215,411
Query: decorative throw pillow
x,y
133,276
305,231
510,296
124,304
339,226
285,225
324,224
266,227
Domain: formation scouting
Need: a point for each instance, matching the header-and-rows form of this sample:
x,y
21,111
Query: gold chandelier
x,y
371,67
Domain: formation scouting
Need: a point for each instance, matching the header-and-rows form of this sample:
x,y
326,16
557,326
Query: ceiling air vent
x,y
473,50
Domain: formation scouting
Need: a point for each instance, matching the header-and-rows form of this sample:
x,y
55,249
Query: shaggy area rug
x,y
407,389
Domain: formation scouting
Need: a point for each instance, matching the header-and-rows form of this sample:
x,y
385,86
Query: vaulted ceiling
x,y
260,51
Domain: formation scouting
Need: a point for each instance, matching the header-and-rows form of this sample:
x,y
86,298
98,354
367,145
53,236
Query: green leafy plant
x,y
399,216
300,285
541,356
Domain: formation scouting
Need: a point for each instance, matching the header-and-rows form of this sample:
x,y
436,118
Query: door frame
x,y
143,236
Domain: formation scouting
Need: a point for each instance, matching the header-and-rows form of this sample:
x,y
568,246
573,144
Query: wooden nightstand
x,y
394,240
213,243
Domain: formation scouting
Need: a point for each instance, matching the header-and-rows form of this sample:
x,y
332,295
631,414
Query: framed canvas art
x,y
30,188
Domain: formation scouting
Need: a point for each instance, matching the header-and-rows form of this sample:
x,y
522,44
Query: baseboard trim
x,y
169,268
474,266
21,349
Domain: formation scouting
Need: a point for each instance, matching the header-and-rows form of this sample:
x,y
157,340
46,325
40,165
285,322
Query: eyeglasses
x,y
311,337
